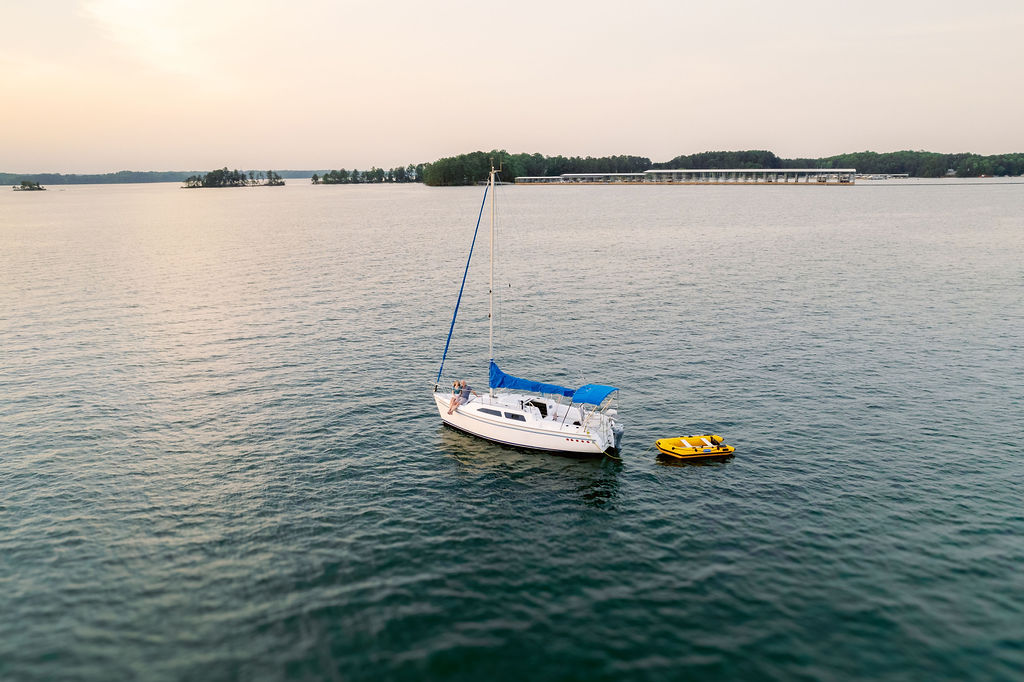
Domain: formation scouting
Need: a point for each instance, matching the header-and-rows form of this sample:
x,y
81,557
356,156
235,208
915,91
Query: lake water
x,y
219,458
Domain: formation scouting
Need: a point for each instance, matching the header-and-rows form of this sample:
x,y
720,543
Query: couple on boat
x,y
460,391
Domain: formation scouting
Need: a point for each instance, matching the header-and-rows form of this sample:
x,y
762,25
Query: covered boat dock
x,y
732,176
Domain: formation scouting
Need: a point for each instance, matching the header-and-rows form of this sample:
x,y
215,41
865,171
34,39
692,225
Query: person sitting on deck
x,y
456,389
462,398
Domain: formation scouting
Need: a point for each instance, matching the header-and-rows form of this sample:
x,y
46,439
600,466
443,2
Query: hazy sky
x,y
105,85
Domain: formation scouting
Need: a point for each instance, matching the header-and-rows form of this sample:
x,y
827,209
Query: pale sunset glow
x,y
104,85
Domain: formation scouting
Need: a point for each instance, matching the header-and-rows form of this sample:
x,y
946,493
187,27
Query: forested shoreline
x,y
471,168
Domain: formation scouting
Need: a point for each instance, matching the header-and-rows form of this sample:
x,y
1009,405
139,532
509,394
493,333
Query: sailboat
x,y
524,413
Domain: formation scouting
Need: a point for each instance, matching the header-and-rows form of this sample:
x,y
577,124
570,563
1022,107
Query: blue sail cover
x,y
499,379
592,394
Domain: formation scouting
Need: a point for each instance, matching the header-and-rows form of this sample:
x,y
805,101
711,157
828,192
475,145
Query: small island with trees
x,y
410,173
234,178
28,186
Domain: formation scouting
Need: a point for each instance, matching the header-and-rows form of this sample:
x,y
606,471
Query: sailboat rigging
x,y
526,413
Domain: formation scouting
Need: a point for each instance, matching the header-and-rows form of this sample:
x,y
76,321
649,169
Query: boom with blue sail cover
x,y
499,379
590,394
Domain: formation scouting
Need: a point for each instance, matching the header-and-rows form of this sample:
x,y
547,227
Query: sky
x,y
93,86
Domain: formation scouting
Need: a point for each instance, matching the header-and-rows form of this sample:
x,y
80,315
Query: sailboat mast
x,y
490,310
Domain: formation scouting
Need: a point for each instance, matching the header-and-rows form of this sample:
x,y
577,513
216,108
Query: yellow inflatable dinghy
x,y
694,447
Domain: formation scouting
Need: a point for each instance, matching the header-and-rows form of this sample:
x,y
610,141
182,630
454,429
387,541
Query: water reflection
x,y
594,480
717,461
602,491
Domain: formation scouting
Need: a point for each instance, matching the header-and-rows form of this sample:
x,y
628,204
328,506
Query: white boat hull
x,y
564,428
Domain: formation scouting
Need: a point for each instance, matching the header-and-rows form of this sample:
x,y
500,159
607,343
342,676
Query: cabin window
x,y
517,417
496,413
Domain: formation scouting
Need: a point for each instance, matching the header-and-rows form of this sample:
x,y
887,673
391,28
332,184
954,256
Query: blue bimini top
x,y
592,394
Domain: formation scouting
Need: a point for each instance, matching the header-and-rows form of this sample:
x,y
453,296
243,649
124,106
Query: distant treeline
x,y
915,164
234,178
920,164
468,169
716,160
410,173
96,178
471,168
124,177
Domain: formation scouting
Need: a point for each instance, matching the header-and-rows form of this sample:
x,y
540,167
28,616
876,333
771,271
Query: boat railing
x,y
602,410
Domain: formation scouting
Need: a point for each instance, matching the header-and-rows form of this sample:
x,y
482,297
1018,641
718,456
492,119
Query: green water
x,y
220,459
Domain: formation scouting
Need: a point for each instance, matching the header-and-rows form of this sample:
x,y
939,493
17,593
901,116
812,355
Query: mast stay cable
x,y
461,288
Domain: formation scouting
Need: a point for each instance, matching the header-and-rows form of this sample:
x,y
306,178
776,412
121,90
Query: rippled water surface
x,y
219,458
